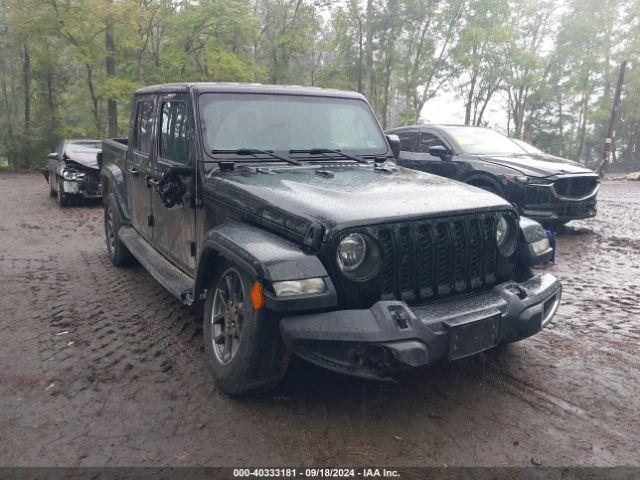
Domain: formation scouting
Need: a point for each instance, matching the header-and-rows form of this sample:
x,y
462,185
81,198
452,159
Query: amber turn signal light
x,y
257,298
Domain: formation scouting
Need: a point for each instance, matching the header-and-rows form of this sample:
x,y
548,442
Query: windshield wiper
x,y
320,151
256,151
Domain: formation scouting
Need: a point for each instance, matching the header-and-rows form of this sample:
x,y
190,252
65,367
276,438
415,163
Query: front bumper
x,y
391,336
544,204
83,188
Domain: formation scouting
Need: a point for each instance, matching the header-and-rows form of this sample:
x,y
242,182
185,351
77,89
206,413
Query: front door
x,y
415,154
139,166
174,228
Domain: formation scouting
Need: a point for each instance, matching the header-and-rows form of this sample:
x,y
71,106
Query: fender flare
x,y
112,181
267,256
486,178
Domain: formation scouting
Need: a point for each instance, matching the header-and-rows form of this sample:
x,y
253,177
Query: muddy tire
x,y
244,349
119,254
63,198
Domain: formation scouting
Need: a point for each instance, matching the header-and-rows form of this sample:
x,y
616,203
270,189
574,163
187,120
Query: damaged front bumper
x,y
83,188
391,336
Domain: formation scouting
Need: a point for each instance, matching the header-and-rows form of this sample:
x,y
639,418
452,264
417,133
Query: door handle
x,y
151,182
134,172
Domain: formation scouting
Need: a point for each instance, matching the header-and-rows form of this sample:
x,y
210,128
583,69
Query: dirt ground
x,y
101,366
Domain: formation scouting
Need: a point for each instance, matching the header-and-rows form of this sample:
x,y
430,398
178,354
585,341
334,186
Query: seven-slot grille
x,y
424,260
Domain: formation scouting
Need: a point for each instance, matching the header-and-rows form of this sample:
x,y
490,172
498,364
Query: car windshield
x,y
83,147
483,141
527,146
281,123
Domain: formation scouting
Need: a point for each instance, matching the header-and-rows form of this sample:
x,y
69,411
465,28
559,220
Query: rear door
x,y
139,164
174,228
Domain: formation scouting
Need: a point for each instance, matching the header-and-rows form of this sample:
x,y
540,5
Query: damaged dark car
x,y
73,172
549,189
283,211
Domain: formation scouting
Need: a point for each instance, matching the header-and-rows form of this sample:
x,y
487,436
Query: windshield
x,y
483,141
527,146
84,147
232,121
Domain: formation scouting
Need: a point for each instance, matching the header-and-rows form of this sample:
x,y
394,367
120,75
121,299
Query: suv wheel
x,y
118,253
63,198
488,184
244,350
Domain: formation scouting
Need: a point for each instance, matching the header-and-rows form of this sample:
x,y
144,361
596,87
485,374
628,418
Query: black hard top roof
x,y
215,87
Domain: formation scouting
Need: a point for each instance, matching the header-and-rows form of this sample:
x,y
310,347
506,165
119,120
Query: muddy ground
x,y
101,366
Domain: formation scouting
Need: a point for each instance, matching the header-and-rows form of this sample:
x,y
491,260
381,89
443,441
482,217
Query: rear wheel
x,y
245,353
63,198
119,254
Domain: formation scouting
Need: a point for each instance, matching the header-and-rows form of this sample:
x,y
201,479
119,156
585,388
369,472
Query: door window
x,y
408,141
174,132
143,127
428,140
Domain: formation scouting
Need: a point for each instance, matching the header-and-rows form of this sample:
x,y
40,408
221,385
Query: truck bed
x,y
114,150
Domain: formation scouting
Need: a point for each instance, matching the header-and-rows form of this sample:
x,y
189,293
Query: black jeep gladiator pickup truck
x,y
283,210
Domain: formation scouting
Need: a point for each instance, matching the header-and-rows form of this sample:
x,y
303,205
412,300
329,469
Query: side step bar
x,y
173,279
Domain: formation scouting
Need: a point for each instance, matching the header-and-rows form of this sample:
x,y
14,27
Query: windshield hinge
x,y
313,237
226,166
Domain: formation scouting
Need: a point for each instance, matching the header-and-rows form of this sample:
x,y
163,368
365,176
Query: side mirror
x,y
170,187
53,156
394,144
439,151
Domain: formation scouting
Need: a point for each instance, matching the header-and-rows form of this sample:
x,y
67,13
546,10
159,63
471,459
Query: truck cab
x,y
282,210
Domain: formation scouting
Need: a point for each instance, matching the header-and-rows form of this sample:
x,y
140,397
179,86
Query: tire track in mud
x,y
132,387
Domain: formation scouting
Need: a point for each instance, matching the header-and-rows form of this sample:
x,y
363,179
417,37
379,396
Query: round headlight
x,y
506,235
358,257
352,251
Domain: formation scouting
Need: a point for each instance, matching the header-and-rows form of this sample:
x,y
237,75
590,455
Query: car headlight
x,y
525,180
299,287
358,257
506,235
71,175
541,246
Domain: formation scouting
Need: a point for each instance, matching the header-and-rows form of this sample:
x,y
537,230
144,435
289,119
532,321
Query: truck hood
x,y
352,196
538,165
88,160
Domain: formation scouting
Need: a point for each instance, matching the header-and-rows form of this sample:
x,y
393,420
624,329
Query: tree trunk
x,y
26,76
469,103
95,101
360,76
370,70
112,104
582,128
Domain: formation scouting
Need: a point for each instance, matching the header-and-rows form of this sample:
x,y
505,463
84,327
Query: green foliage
x,y
552,69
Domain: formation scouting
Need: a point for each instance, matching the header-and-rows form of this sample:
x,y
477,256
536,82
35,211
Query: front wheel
x,y
487,183
63,198
245,353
